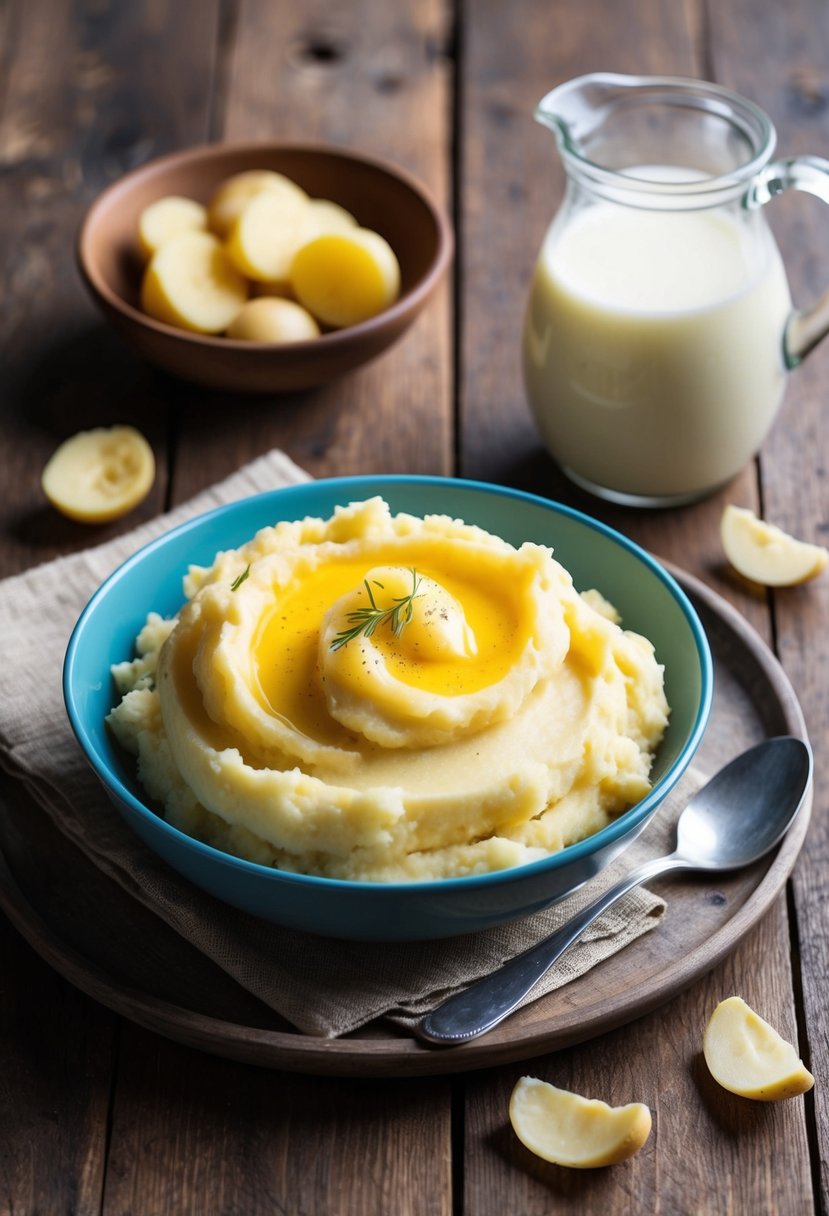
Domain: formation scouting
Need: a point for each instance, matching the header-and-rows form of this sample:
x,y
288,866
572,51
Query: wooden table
x,y
97,1115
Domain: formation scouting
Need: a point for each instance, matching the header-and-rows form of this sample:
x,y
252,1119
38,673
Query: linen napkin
x,y
324,988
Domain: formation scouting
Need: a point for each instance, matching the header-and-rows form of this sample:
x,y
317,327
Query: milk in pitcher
x,y
653,345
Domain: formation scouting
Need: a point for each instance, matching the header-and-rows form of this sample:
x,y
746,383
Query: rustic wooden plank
x,y
359,428
193,1134
109,98
57,1050
709,1151
780,62
74,115
513,183
374,78
510,169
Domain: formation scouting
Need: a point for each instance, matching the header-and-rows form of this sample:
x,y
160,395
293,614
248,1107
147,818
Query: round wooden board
x,y
136,965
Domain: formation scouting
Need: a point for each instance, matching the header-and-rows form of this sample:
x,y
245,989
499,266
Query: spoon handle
x,y
489,1000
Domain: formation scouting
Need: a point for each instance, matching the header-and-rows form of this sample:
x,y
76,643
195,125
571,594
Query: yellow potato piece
x,y
166,218
269,319
192,284
578,1132
344,279
233,195
326,218
100,474
764,553
268,233
748,1057
329,218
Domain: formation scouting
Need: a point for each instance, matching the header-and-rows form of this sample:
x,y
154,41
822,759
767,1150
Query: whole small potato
x,y
272,319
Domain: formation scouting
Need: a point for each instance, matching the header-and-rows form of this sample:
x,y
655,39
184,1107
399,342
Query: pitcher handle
x,y
805,327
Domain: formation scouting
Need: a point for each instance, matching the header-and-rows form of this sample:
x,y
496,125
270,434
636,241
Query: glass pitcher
x,y
659,328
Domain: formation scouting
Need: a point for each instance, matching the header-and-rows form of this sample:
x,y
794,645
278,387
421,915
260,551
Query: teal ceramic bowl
x,y
649,599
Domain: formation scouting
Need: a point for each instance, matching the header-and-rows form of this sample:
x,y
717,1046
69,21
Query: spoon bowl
x,y
747,808
734,820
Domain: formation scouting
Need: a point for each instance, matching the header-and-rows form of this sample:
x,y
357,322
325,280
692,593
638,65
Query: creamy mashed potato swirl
x,y
387,698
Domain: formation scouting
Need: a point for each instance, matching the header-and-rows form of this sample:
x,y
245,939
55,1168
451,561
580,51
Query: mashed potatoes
x,y
389,698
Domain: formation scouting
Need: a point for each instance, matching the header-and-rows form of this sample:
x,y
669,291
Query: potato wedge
x,y
747,1056
765,554
567,1129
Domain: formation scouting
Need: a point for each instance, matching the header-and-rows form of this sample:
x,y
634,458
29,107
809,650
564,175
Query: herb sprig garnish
x,y
237,582
366,620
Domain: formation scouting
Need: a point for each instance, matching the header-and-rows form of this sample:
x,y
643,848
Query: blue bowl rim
x,y
607,836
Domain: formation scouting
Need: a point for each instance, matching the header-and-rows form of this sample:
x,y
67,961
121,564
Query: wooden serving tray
x,y
120,953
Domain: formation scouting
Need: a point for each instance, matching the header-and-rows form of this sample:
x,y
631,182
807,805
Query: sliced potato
x,y
166,218
269,319
348,274
764,553
344,279
267,235
192,284
748,1057
100,474
233,195
329,218
578,1132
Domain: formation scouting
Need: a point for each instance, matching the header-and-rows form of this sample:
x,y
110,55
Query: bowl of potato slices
x,y
263,267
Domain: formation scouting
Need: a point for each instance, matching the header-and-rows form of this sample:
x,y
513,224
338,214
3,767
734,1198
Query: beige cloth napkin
x,y
324,988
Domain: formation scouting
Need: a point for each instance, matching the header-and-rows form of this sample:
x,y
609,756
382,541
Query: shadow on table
x,y
556,1179
84,379
90,378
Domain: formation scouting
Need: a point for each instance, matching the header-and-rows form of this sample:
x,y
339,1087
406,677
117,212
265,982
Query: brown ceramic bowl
x,y
380,195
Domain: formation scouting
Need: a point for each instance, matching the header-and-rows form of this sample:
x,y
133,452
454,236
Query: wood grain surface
x,y
99,1116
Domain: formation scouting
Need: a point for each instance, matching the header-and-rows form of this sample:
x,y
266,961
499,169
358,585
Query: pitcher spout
x,y
576,110
666,134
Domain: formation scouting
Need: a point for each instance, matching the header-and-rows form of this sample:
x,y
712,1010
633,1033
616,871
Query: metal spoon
x,y
742,813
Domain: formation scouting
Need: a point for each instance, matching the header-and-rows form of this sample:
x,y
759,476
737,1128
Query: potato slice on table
x,y
270,319
192,284
346,278
748,1057
764,553
234,194
578,1132
100,474
166,218
268,233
